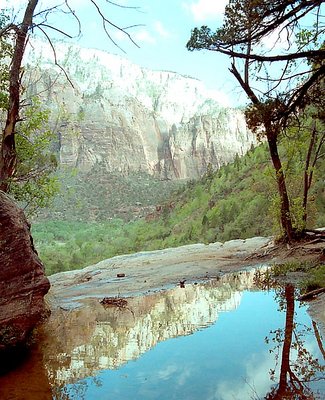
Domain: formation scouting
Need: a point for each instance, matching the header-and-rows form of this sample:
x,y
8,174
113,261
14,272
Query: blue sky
x,y
165,29
162,39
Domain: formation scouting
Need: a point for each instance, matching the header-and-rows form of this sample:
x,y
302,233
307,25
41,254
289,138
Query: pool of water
x,y
222,339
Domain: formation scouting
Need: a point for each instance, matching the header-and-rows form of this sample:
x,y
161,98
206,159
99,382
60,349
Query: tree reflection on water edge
x,y
255,345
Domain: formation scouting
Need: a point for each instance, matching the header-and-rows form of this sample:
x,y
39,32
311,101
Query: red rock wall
x,y
22,280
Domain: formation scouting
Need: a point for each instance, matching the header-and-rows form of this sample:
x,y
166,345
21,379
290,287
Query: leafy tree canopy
x,y
259,33
35,17
277,56
33,183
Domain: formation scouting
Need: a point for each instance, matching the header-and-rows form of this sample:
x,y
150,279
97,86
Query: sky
x,y
161,29
164,29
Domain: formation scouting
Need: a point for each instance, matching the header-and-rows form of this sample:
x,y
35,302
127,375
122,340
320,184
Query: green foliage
x,y
227,204
192,215
34,184
66,245
277,94
311,275
315,279
294,147
292,266
101,196
201,38
306,38
6,50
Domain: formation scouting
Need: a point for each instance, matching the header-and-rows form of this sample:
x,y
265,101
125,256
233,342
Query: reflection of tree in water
x,y
76,391
296,373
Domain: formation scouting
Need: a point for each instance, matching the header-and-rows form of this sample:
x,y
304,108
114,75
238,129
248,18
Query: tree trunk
x,y
285,360
271,135
285,215
319,339
8,156
307,173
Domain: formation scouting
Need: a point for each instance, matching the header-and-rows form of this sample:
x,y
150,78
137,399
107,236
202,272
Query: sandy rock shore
x,y
146,272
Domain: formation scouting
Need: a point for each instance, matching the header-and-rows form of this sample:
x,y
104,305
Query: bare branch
x,y
285,78
132,26
308,175
279,80
48,10
26,102
283,57
106,21
55,29
301,91
122,6
55,57
318,154
243,84
75,16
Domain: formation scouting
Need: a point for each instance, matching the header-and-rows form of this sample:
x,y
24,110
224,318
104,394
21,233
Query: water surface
x,y
222,339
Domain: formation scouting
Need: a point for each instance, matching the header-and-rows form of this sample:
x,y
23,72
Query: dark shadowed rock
x,y
22,280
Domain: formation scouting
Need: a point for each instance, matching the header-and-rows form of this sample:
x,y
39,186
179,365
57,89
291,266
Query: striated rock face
x,y
22,281
127,118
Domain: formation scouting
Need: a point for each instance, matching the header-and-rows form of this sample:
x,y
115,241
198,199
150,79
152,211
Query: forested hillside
x,y
238,201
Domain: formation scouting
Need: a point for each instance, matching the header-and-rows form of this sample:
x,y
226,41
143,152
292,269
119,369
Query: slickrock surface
x,y
149,272
153,270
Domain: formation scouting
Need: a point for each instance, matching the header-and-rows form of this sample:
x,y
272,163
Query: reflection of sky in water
x,y
228,360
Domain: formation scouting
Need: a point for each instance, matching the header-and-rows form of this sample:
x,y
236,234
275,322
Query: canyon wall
x,y
126,118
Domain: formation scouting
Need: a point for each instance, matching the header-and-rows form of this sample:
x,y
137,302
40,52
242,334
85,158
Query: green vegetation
x,y
227,204
66,245
249,197
311,275
98,195
5,53
34,183
281,96
315,279
28,177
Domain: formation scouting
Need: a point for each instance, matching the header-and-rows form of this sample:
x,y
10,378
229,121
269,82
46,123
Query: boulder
x,y
22,280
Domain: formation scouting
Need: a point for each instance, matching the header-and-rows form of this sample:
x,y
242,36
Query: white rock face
x,y
129,118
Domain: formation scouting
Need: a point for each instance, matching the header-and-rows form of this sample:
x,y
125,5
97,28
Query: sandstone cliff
x,y
22,281
126,118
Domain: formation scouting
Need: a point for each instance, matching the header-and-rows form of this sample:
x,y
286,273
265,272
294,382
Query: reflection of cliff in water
x,y
80,342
